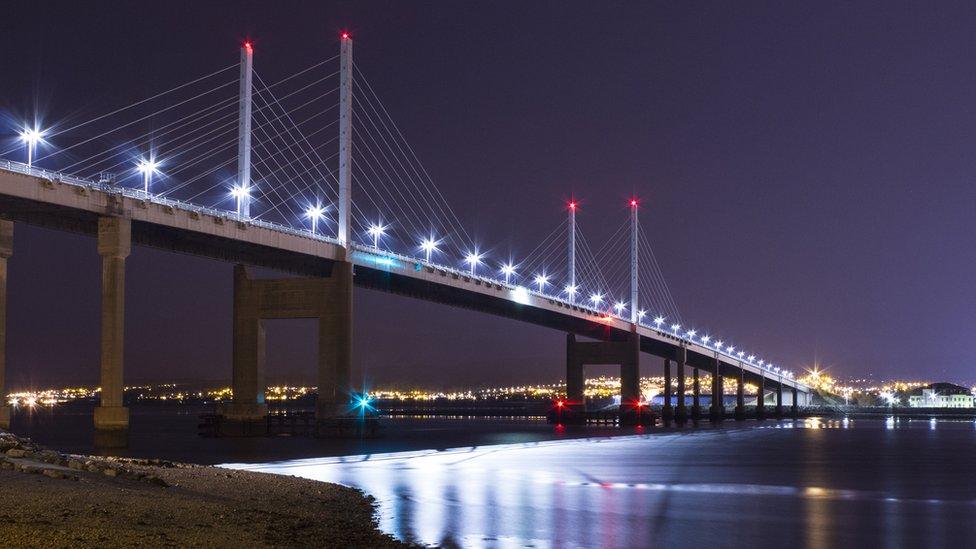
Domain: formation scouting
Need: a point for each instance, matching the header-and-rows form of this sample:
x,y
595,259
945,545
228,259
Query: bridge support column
x,y
6,251
761,398
574,376
779,400
717,407
327,299
114,245
624,353
795,408
740,395
248,355
667,412
680,358
696,395
335,345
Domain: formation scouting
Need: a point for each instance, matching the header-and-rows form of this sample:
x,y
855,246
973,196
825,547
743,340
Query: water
x,y
811,483
515,483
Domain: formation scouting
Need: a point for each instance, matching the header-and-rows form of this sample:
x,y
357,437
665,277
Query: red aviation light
x,y
633,202
248,46
572,205
344,35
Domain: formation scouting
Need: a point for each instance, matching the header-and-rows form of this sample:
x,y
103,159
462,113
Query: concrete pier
x,y
695,395
114,245
761,398
717,411
327,299
795,407
667,411
6,251
680,359
779,400
740,395
625,353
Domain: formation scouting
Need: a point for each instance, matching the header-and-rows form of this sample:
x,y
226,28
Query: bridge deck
x,y
51,200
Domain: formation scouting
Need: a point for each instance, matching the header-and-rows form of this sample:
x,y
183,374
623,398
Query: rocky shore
x,y
50,499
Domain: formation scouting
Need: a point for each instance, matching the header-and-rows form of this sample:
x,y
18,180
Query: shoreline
x,y
56,499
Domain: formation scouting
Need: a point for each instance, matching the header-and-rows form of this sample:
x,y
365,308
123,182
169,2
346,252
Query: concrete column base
x,y
5,418
111,418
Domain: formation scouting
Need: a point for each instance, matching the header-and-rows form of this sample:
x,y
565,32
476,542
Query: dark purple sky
x,y
805,168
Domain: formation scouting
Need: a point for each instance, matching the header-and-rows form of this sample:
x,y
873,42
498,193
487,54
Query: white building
x,y
942,395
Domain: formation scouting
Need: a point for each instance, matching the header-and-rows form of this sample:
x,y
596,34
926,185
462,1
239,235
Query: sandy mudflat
x,y
173,505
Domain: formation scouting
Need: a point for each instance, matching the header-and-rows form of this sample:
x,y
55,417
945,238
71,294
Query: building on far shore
x,y
941,395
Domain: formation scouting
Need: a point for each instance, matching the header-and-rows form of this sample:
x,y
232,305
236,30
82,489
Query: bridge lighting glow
x,y
541,280
761,362
240,194
750,358
473,259
641,314
376,230
740,354
508,270
675,328
706,338
521,295
691,334
619,307
315,213
596,298
571,290
658,321
31,137
147,168
718,345
429,245
730,349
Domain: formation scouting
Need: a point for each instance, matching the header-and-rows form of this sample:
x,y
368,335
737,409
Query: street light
x,y
429,245
473,259
596,298
571,290
691,334
508,270
147,168
541,280
640,315
315,213
619,307
675,328
240,194
376,231
31,137
658,321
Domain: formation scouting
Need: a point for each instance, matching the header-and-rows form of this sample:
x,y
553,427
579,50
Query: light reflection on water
x,y
819,482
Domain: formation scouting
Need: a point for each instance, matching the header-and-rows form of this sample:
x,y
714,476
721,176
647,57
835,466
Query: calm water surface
x,y
812,483
518,483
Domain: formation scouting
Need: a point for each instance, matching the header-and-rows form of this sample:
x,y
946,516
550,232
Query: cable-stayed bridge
x,y
310,175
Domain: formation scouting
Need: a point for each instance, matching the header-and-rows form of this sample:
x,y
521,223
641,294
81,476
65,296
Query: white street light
x,y
596,298
473,259
147,168
240,194
619,307
315,213
571,290
508,270
706,338
376,231
658,321
675,328
541,280
31,137
641,314
429,245
691,334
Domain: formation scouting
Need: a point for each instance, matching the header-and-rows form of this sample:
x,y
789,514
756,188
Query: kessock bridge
x,y
310,176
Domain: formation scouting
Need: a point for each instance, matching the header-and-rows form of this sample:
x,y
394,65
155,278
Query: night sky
x,y
805,169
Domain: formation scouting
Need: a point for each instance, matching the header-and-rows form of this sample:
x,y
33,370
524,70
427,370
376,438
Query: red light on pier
x,y
560,404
